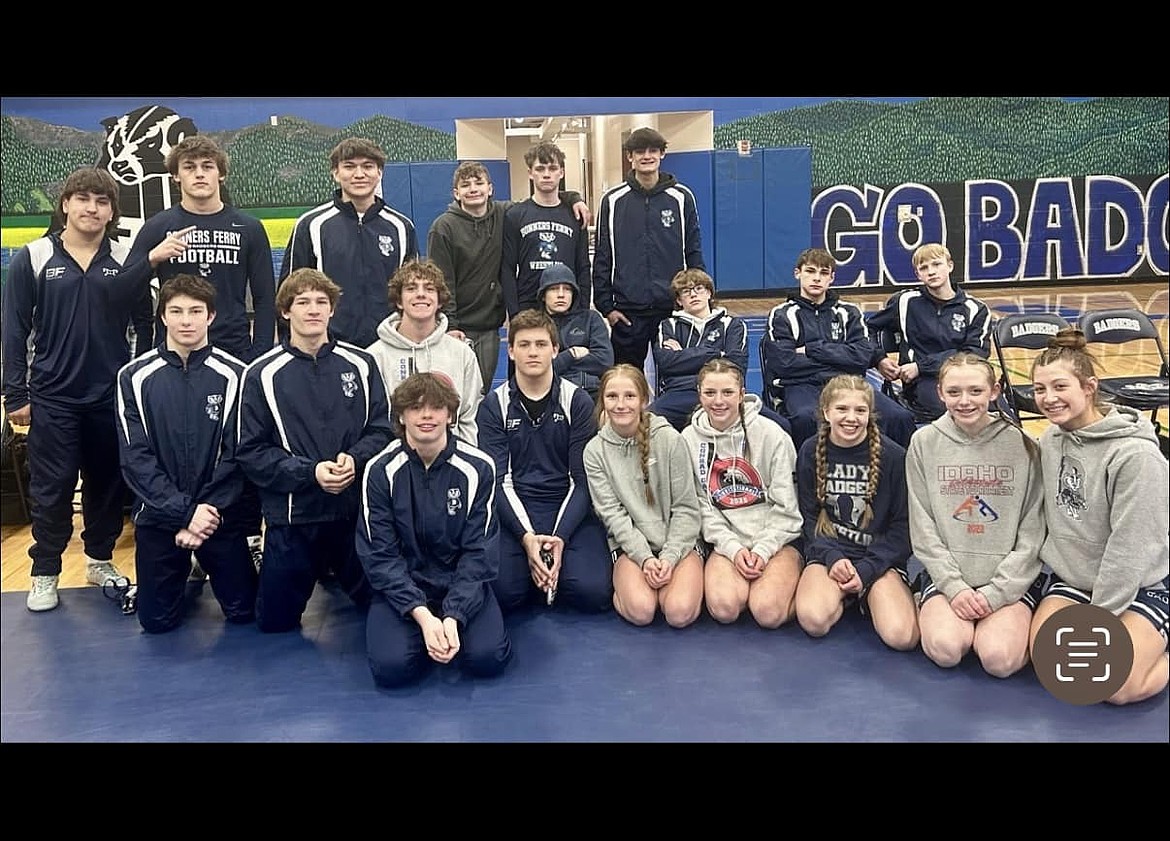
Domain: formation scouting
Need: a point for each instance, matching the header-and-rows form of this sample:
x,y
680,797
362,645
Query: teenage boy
x,y
313,411
415,339
222,244
68,303
177,414
467,242
542,230
647,232
931,323
694,334
535,426
584,351
814,336
357,240
427,538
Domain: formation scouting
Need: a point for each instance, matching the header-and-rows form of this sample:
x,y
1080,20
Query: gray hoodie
x,y
669,528
746,478
1106,495
976,519
398,357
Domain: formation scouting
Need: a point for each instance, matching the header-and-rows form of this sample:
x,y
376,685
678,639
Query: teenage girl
x,y
744,465
976,524
643,491
1106,507
851,481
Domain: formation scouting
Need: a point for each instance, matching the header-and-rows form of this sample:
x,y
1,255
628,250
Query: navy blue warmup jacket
x,y
178,429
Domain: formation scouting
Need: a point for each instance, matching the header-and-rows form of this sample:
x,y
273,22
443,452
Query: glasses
x,y
692,290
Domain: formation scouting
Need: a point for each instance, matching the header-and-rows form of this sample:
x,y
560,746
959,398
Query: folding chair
x,y
773,390
1021,332
1144,392
890,341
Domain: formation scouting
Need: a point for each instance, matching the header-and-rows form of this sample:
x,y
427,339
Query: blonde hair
x,y
838,384
642,436
930,251
966,359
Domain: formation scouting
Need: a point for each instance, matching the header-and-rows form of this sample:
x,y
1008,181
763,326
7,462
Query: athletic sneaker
x,y
99,572
43,595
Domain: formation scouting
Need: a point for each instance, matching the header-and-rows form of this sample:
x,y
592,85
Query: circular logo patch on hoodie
x,y
734,483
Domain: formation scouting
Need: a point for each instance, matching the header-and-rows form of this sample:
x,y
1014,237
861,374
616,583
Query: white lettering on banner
x,y
1058,229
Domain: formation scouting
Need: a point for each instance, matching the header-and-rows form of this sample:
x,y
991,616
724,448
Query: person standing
x,y
467,242
68,304
357,240
223,244
427,538
177,414
313,412
647,232
540,231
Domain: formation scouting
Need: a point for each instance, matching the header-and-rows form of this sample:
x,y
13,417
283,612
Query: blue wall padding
x,y
738,225
694,170
787,217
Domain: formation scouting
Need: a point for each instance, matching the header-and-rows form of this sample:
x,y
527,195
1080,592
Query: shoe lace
x,y
42,584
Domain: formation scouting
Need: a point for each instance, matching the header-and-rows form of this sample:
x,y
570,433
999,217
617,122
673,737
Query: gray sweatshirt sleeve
x,y
686,519
609,507
1139,520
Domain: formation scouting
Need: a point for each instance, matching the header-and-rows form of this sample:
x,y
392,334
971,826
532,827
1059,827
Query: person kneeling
x,y
427,538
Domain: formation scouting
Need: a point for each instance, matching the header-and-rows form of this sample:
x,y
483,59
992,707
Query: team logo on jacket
x,y
349,386
958,322
734,483
386,245
668,218
454,501
1070,488
713,336
835,332
975,509
214,406
548,245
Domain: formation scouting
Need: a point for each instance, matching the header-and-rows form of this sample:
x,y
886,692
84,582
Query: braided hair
x,y
642,436
838,384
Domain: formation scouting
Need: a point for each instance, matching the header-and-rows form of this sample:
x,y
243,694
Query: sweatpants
x,y
632,343
586,577
63,444
295,558
161,572
397,652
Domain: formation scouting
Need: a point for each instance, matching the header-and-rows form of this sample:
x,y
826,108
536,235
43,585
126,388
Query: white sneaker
x,y
99,572
43,594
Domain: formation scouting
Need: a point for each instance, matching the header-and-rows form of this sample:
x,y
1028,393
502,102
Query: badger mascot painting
x,y
135,154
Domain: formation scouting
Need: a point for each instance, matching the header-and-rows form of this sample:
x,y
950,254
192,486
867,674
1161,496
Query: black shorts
x,y
1150,602
925,588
